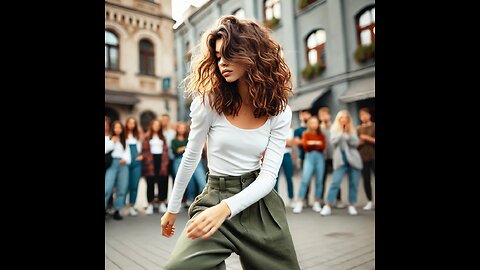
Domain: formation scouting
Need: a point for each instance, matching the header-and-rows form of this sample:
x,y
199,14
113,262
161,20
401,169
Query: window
x,y
272,9
239,13
365,21
111,50
315,44
166,84
147,62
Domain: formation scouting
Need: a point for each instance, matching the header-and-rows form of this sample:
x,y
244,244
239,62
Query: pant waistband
x,y
223,182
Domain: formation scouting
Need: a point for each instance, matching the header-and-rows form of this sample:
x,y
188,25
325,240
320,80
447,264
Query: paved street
x,y
335,242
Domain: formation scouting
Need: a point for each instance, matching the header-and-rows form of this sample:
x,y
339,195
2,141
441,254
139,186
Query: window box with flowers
x,y
364,53
271,23
312,71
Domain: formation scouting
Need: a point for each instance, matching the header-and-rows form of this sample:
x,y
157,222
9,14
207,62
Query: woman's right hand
x,y
168,221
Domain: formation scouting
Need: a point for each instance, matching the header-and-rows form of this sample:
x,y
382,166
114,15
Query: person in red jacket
x,y
313,144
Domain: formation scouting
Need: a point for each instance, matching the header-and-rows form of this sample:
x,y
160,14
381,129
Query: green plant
x,y
312,71
318,69
307,72
272,22
304,3
364,53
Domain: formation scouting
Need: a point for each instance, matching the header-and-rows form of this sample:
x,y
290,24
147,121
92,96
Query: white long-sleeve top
x,y
156,145
132,140
121,153
108,144
233,151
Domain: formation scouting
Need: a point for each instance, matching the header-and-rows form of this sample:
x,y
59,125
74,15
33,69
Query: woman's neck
x,y
243,91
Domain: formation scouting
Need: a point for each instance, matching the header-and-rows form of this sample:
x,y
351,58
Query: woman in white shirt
x,y
135,167
241,83
155,165
117,173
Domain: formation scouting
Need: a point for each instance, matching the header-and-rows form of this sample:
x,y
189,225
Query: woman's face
x,y
313,123
181,129
344,120
231,71
324,116
365,116
130,124
156,126
117,129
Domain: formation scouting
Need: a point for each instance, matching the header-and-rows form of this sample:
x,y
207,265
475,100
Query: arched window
x,y
272,9
315,47
147,57
365,21
111,50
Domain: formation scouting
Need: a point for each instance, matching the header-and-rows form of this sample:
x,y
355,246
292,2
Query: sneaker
x,y
326,211
352,211
132,211
292,204
110,211
162,208
340,204
149,210
316,207
298,208
369,206
117,215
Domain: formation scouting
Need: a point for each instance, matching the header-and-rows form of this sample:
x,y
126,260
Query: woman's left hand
x,y
207,222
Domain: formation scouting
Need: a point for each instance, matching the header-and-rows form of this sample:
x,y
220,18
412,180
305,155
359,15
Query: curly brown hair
x,y
245,42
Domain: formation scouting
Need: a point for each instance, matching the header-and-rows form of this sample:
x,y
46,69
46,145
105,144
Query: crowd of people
x,y
155,154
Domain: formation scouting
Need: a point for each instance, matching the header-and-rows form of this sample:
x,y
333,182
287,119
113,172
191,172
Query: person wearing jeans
x,y
313,145
135,167
117,173
346,159
287,165
325,124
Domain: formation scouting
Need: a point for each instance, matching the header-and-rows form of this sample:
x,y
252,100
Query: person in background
x,y
155,165
303,115
366,133
109,145
325,124
287,165
117,173
346,159
135,167
313,145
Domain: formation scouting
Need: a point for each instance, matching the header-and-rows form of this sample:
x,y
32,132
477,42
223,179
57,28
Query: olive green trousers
x,y
259,234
